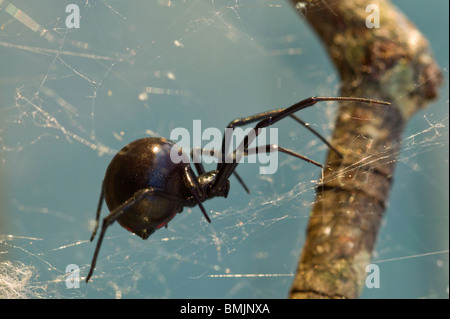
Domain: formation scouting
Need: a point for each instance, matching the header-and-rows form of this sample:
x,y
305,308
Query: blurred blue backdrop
x,y
70,98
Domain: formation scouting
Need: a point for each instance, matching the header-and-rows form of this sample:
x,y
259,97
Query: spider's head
x,y
206,181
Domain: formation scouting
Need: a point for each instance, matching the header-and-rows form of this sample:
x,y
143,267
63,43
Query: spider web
x,y
70,98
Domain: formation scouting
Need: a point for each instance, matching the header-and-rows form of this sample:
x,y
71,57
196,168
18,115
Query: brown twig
x,y
384,63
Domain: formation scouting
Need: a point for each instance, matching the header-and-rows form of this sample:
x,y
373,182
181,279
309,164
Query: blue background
x,y
71,98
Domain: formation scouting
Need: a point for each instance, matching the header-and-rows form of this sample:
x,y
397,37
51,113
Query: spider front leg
x,y
272,119
267,119
262,116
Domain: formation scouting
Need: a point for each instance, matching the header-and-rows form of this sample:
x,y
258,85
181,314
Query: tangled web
x,y
70,98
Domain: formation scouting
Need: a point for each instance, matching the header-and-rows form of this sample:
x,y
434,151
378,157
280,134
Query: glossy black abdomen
x,y
142,164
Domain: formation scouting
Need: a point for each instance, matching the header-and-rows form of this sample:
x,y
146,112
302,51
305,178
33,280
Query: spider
x,y
144,189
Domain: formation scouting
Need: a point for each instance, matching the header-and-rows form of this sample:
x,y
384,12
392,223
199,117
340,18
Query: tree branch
x,y
384,63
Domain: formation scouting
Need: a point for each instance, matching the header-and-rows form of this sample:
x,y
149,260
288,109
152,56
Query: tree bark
x,y
384,63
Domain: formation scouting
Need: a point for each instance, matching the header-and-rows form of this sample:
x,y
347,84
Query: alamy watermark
x,y
373,277
73,18
373,19
262,145
73,276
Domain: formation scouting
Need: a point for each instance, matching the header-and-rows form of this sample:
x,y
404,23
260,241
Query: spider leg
x,y
122,209
97,215
195,189
306,125
241,181
267,149
241,122
263,115
310,102
266,119
276,148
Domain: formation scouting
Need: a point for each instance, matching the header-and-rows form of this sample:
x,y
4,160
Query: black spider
x,y
144,189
